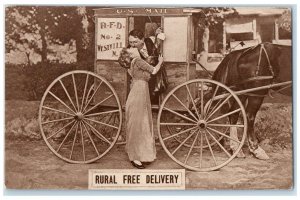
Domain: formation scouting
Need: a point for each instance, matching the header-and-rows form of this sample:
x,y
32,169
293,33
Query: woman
x,y
140,144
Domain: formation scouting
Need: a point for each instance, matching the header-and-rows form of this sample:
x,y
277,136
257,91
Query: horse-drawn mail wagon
x,y
80,114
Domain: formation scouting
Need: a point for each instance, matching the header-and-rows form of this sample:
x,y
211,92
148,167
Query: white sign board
x,y
175,45
111,34
120,179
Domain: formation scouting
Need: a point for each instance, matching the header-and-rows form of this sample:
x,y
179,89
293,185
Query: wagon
x,y
81,112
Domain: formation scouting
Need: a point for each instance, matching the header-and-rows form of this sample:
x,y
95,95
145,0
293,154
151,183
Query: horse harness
x,y
258,77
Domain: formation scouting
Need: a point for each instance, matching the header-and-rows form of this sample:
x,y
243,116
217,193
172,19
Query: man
x,y
149,52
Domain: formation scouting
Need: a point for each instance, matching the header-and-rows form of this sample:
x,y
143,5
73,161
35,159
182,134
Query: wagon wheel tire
x,y
201,110
80,117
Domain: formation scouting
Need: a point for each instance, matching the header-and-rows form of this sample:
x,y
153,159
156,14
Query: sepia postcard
x,y
149,98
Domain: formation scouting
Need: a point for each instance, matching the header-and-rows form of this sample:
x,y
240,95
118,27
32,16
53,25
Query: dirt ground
x,y
29,164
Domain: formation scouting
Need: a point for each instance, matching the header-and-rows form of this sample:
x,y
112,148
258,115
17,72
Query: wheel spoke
x,y
99,103
182,143
92,96
180,115
181,132
66,137
99,135
201,150
211,100
91,139
175,124
215,106
218,132
219,106
227,125
75,90
82,141
60,129
60,111
68,95
192,101
210,149
202,102
73,144
101,113
58,99
191,148
102,123
211,135
225,115
57,120
185,107
84,91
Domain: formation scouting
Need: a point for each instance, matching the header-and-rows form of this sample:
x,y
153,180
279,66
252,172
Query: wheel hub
x,y
79,116
202,124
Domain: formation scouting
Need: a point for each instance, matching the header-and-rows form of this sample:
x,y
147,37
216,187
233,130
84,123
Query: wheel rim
x,y
200,110
80,117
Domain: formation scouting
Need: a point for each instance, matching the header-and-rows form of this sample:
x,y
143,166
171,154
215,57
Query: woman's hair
x,y
123,61
136,33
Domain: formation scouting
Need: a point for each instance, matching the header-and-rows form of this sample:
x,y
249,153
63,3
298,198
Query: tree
x,y
207,18
284,22
33,28
76,24
28,27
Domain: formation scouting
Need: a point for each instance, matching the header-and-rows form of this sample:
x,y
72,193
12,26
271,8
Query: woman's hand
x,y
160,59
157,67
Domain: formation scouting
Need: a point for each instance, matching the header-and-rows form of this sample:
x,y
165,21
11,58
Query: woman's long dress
x,y
140,143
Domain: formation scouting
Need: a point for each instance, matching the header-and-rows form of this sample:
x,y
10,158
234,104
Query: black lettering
x,y
97,179
119,25
111,24
102,25
176,177
102,36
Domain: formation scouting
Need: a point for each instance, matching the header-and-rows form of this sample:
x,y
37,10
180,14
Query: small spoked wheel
x,y
202,125
80,117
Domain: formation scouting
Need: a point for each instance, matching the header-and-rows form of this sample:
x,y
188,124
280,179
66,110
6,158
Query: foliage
x,y
210,19
29,82
285,20
33,28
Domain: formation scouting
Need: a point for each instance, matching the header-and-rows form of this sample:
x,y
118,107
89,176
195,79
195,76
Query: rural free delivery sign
x,y
122,179
111,34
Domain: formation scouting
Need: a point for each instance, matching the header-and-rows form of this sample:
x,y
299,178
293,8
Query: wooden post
x,y
276,30
254,28
224,36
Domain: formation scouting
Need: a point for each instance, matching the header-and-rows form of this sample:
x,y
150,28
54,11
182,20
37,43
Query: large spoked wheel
x,y
80,117
194,124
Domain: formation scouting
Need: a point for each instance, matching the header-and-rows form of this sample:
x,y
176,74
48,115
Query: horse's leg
x,y
233,130
253,106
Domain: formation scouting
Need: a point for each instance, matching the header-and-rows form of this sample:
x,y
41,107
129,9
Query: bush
x,y
29,82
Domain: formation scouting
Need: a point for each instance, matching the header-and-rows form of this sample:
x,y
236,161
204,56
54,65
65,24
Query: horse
x,y
252,67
